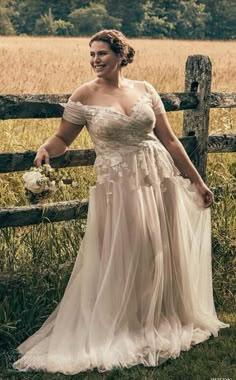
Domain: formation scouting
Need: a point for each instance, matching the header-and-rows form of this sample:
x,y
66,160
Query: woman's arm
x,y
66,133
58,143
165,134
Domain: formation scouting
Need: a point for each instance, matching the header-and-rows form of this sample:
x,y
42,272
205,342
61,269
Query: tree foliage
x,y
130,12
221,20
195,19
90,19
6,26
47,25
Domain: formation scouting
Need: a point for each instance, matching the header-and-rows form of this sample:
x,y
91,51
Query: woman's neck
x,y
118,81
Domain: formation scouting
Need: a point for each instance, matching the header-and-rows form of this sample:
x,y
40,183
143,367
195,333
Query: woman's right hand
x,y
42,155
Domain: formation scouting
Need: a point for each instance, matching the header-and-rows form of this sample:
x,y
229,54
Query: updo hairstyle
x,y
118,44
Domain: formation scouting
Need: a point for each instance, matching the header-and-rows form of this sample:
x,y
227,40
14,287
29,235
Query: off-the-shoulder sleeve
x,y
158,106
74,112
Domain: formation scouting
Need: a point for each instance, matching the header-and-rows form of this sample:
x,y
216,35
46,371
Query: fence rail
x,y
196,102
36,106
36,214
15,162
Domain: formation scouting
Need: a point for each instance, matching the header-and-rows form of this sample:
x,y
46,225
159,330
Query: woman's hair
x,y
118,44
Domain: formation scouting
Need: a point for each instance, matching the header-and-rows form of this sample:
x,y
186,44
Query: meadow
x,y
45,254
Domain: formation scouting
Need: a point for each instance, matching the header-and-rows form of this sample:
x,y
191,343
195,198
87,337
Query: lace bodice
x,y
123,143
114,132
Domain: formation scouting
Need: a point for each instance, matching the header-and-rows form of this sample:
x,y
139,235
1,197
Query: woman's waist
x,y
110,156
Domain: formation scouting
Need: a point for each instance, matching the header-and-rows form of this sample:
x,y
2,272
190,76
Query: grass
x,y
45,254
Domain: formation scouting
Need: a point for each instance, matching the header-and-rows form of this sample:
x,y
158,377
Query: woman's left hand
x,y
206,194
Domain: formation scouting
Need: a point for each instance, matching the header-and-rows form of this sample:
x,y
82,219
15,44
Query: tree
x,y
6,26
46,25
76,4
63,28
131,13
91,19
191,22
183,18
30,11
155,18
60,8
27,13
155,23
221,19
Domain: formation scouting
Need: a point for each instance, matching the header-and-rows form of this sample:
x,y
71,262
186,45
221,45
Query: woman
x,y
141,287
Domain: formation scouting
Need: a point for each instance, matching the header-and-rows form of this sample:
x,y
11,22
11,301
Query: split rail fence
x,y
196,102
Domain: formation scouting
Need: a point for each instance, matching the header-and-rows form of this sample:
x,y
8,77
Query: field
x,y
59,65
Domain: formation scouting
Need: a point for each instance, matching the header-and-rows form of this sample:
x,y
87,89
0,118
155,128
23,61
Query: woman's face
x,y
103,60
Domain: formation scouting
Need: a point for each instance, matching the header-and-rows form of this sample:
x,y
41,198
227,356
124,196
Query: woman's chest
x,y
108,124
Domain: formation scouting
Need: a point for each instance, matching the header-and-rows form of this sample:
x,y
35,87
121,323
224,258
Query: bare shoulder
x,y
83,92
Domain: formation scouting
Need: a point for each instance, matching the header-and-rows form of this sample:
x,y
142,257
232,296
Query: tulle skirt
x,y
141,287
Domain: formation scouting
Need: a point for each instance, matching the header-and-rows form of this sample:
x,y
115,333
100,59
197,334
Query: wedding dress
x,y
141,287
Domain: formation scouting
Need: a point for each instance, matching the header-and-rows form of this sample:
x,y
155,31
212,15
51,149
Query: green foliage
x,y
131,15
174,19
6,26
27,13
75,4
195,19
221,178
221,19
93,18
63,28
191,20
46,25
155,23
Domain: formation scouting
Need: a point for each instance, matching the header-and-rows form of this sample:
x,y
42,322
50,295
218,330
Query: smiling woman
x,y
141,287
117,43
107,58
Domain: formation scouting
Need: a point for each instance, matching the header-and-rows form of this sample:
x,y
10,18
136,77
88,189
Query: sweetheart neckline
x,y
114,108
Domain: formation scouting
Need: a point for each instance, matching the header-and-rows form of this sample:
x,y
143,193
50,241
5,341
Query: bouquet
x,y
42,182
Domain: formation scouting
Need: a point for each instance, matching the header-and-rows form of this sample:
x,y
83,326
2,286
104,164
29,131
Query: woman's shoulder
x,y
82,93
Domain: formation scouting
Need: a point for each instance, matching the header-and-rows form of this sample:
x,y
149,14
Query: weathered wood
x,y
198,79
47,106
51,106
222,99
31,106
221,143
13,162
178,101
36,214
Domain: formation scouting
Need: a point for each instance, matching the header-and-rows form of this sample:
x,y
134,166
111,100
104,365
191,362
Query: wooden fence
x,y
196,102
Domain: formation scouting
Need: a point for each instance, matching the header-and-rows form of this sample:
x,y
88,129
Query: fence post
x,y
196,122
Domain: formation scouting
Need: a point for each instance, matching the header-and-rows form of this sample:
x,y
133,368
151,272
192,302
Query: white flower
x,y
74,184
34,182
42,182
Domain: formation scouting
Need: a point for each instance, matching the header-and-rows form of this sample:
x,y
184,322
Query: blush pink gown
x,y
141,287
